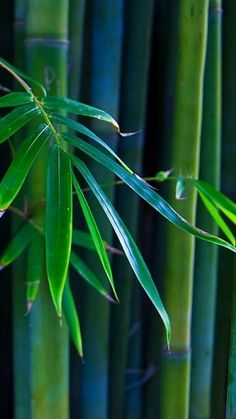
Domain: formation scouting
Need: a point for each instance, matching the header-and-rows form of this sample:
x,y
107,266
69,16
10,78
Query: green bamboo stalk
x,y
21,332
191,33
223,315
206,269
46,50
102,90
231,385
135,66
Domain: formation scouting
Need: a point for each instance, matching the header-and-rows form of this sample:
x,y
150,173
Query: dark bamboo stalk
x,y
102,67
135,67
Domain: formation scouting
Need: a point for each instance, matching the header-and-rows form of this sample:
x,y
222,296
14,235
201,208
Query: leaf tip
x,y
1,213
1,267
28,308
110,299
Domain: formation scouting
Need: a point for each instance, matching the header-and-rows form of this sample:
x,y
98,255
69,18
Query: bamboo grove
x,y
117,209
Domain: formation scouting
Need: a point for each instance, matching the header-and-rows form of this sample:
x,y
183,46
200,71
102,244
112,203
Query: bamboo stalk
x,y
190,59
102,66
231,384
21,327
135,66
46,50
206,269
223,314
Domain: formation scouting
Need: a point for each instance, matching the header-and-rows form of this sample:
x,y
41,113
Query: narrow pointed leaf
x,y
15,99
78,108
21,164
85,272
226,205
146,192
58,228
15,71
35,267
132,253
85,131
95,234
16,246
217,217
83,239
71,317
16,119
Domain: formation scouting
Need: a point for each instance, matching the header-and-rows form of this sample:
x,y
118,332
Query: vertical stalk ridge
x,y
185,148
206,267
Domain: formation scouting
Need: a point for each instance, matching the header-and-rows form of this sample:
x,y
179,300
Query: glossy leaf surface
x,y
86,273
71,317
16,119
78,108
146,192
15,99
21,164
132,253
58,228
95,234
16,246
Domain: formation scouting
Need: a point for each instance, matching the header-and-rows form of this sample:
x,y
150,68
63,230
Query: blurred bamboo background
x,y
166,69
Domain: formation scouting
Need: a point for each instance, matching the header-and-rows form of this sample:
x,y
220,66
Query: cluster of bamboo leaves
x,y
49,124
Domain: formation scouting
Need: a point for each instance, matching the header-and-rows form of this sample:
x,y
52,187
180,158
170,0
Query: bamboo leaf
x,y
21,164
217,217
35,268
85,131
15,71
58,229
78,108
71,317
226,205
85,272
95,234
16,246
133,255
83,239
145,192
15,99
180,188
16,119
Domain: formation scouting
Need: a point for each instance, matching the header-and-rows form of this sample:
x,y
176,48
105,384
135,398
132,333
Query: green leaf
x,y
216,216
34,267
16,119
85,272
15,71
78,108
21,164
85,131
180,188
58,229
15,99
71,317
132,253
95,234
226,205
145,192
83,239
16,246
